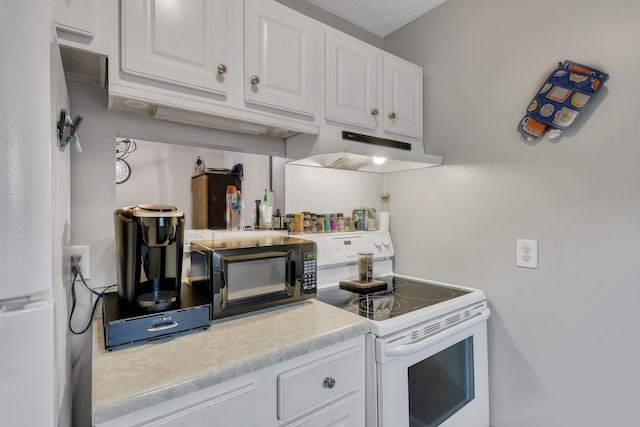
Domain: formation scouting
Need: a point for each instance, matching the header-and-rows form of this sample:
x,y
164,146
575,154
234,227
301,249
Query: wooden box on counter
x,y
208,195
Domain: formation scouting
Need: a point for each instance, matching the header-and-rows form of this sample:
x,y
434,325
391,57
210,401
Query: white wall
x,y
563,347
323,190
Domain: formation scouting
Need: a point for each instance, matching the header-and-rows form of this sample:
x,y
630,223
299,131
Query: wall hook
x,y
67,131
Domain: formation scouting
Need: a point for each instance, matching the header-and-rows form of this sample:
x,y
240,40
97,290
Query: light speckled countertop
x,y
127,380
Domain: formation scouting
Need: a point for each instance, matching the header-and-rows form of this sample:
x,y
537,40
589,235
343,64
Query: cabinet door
x,y
237,408
348,412
74,16
180,43
402,97
199,202
351,80
279,57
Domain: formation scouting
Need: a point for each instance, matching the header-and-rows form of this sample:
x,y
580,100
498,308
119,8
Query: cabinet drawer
x,y
319,382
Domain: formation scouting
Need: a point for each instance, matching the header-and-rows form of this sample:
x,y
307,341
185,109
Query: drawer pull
x,y
329,382
162,326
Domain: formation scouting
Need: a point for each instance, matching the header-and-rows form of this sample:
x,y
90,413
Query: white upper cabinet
x,y
279,57
402,97
75,16
371,89
179,43
351,81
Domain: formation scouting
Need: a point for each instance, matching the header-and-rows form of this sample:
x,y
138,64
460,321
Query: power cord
x,y
75,267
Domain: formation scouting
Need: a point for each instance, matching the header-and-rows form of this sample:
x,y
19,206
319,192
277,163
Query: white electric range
x,y
427,361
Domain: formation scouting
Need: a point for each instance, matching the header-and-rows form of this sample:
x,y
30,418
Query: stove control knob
x,y
385,241
377,242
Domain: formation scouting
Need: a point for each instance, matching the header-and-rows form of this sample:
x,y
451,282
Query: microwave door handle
x,y
291,273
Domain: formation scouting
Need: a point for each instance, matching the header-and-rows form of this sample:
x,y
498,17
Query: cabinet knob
x,y
329,382
392,116
374,112
222,69
255,80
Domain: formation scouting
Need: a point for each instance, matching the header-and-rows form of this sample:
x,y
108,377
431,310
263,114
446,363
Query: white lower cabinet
x,y
322,388
339,414
231,409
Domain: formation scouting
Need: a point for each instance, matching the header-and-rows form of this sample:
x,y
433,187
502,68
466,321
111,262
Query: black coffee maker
x,y
149,241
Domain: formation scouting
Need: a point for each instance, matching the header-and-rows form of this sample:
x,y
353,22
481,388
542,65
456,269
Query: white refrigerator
x,y
34,221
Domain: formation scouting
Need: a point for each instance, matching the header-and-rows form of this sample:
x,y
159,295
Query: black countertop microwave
x,y
246,274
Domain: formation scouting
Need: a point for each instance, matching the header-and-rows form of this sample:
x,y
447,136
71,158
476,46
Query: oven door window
x,y
441,384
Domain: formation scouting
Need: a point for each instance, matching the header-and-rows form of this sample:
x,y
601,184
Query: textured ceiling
x,y
379,17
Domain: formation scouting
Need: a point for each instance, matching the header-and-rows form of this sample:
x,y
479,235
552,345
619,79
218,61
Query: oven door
x,y
441,380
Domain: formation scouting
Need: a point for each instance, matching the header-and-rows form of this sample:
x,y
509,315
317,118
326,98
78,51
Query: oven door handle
x,y
405,349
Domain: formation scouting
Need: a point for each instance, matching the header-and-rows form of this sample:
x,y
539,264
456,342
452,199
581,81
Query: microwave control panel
x,y
309,269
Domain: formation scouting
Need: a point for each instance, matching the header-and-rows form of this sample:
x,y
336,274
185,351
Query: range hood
x,y
352,151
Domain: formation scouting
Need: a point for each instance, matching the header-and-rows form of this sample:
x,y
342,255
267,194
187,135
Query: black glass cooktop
x,y
400,297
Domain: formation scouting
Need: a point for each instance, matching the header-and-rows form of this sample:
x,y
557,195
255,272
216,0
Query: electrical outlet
x,y
526,253
85,259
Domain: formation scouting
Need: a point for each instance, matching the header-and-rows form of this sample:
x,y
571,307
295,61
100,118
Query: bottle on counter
x,y
313,223
349,225
278,220
231,199
298,223
256,215
340,222
327,222
266,212
319,223
289,224
333,219
306,224
237,213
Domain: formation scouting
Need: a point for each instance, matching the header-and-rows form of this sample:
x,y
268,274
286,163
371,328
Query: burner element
x,y
422,293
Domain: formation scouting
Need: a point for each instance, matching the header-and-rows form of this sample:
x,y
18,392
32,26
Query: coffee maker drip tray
x,y
157,301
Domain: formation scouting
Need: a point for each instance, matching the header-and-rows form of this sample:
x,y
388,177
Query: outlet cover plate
x,y
85,260
526,253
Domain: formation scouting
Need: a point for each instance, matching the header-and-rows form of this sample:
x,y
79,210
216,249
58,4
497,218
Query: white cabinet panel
x,y
351,78
237,408
402,97
279,59
344,413
181,43
75,16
